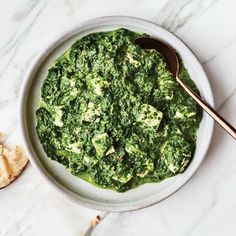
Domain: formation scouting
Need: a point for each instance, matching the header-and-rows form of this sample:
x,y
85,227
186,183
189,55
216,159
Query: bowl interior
x,y
79,190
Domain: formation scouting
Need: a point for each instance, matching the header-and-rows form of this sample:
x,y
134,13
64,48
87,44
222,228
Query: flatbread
x,y
12,162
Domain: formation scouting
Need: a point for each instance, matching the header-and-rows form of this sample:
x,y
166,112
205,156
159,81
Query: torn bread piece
x,y
94,222
12,162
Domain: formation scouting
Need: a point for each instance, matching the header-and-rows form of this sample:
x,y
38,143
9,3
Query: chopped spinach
x,y
112,113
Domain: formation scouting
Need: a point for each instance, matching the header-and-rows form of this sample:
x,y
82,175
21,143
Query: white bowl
x,y
75,188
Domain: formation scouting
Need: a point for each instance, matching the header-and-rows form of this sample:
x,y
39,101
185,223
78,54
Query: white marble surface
x,y
206,205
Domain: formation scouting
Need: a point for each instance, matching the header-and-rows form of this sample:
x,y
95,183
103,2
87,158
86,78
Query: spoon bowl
x,y
168,53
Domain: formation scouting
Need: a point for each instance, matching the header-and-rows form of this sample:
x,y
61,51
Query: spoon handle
x,y
205,106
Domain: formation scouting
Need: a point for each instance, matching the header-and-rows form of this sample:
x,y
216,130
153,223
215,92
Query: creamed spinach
x,y
112,113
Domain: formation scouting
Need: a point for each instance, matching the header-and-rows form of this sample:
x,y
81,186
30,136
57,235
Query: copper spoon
x,y
173,64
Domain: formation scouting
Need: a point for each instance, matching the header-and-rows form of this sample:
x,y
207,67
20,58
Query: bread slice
x,y
12,162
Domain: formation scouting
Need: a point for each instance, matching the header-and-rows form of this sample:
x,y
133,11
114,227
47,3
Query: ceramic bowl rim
x,y
25,89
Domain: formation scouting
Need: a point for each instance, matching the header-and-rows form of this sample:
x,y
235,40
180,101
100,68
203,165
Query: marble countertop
x,y
206,204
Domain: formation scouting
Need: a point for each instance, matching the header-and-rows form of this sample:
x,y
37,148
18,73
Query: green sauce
x,y
113,115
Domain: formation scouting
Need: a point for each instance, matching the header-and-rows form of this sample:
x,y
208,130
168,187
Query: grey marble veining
x,y
175,14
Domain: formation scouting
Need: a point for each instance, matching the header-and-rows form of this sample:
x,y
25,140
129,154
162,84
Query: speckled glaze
x,y
74,188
